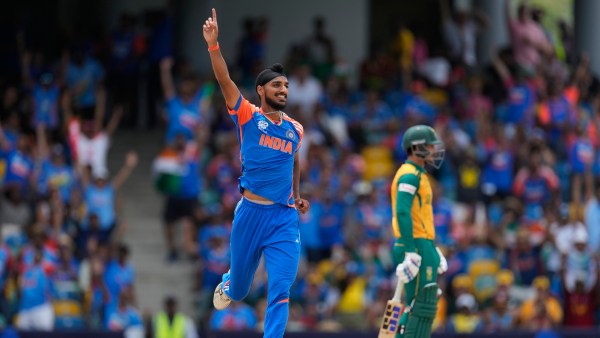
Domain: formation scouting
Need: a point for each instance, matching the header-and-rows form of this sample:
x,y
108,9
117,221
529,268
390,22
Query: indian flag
x,y
167,170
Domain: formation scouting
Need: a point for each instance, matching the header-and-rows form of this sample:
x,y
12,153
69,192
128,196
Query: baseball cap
x,y
580,235
466,300
100,173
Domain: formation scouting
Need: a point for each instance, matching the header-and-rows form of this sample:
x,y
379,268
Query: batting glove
x,y
408,270
443,267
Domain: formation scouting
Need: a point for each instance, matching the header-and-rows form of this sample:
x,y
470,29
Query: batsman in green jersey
x,y
418,260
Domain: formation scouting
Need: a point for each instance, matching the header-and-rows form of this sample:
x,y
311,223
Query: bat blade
x,y
391,316
391,319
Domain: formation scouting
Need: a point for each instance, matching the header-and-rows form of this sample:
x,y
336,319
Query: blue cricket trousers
x,y
272,230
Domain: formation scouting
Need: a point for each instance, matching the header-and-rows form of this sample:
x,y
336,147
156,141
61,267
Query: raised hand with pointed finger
x,y
210,29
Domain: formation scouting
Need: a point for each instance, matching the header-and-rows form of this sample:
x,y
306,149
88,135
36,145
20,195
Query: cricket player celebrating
x,y
419,259
266,218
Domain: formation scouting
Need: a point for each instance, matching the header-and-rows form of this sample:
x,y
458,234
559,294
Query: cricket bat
x,y
391,316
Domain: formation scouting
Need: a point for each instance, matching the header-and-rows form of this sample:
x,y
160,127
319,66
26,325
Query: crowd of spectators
x,y
516,203
63,262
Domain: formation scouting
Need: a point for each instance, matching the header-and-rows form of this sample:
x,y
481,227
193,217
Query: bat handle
x,y
398,291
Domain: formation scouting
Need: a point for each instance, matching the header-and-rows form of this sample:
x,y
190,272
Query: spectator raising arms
x,y
527,37
186,106
99,195
90,142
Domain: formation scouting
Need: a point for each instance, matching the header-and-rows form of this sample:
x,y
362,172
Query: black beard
x,y
274,105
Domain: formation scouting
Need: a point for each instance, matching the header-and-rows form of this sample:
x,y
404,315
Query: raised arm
x,y
58,216
131,160
67,108
25,65
100,107
228,88
166,78
501,69
42,143
41,154
113,123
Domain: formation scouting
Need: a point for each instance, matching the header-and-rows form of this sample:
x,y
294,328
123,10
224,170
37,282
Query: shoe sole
x,y
218,298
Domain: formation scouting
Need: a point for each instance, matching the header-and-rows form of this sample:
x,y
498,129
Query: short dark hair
x,y
535,149
192,77
123,249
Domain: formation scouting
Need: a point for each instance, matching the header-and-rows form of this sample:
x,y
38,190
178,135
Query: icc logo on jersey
x,y
290,134
262,125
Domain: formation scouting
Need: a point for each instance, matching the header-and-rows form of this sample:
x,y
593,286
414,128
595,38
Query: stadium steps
x,y
142,211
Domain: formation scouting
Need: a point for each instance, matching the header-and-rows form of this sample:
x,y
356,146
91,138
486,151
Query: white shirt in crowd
x,y
563,235
90,151
462,40
305,94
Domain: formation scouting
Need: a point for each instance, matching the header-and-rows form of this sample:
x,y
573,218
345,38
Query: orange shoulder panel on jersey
x,y
298,127
243,109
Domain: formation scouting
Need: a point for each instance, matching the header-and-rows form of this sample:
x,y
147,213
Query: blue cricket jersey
x,y
86,75
520,100
100,201
267,152
581,155
45,105
35,288
19,168
183,117
60,177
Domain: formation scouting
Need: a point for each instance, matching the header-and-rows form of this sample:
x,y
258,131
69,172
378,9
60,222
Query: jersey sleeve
x,y
301,133
408,185
299,128
242,112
